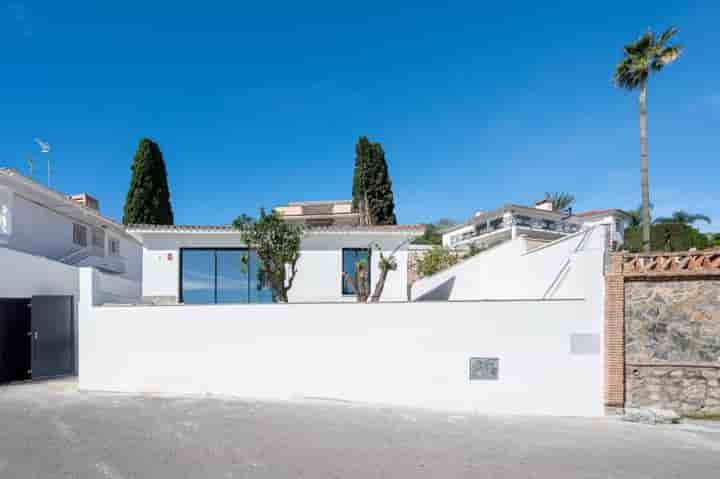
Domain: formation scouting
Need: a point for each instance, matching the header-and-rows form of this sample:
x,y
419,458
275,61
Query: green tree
x,y
148,198
667,237
647,55
372,188
683,218
560,200
277,245
432,234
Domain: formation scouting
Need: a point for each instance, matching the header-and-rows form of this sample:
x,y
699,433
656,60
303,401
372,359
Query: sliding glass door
x,y
220,276
197,285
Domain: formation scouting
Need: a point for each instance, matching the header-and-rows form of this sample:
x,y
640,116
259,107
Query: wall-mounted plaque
x,y
484,369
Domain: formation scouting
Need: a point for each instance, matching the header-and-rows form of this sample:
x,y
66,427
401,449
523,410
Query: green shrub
x,y
666,237
436,260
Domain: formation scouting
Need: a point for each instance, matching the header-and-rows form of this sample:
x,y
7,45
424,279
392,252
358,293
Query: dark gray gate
x,y
53,336
14,339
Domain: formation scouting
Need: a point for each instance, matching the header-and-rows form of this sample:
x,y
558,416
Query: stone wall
x,y
672,343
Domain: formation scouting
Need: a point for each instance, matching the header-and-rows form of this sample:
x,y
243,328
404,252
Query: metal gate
x,y
37,338
15,350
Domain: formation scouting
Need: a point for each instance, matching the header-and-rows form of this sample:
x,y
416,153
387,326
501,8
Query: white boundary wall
x,y
410,354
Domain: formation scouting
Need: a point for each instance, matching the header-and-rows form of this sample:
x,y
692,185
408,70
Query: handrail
x,y
564,268
81,252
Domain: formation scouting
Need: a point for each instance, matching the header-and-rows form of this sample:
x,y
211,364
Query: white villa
x,y
538,224
211,265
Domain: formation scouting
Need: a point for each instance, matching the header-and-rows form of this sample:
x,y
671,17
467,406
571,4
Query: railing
x,y
566,264
504,222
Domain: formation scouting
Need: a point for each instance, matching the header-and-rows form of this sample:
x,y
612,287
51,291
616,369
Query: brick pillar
x,y
615,334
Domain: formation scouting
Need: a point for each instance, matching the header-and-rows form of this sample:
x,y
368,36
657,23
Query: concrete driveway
x,y
50,430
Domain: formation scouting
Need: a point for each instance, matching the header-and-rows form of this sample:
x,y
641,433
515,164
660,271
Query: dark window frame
x,y
215,283
342,269
80,235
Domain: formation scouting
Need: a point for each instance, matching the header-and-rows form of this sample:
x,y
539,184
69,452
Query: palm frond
x,y
645,41
560,200
666,56
695,218
666,36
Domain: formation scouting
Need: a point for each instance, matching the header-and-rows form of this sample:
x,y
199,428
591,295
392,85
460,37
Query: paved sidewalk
x,y
50,430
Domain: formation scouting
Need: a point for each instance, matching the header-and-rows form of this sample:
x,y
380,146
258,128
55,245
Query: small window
x,y
350,258
98,238
80,235
114,247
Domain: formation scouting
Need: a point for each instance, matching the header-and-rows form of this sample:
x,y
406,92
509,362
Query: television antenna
x,y
45,148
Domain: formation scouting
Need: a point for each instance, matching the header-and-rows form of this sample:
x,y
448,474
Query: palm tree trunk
x,y
644,169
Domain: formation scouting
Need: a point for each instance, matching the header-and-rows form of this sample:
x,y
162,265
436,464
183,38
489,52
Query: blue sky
x,y
258,103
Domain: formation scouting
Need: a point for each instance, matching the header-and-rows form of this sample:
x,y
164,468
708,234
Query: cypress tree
x,y
382,203
362,157
372,187
148,198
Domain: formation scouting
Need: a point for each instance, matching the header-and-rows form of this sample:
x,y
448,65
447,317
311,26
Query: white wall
x,y
410,354
43,232
319,276
509,271
23,275
319,268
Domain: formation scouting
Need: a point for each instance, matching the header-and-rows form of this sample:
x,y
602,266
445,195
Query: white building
x,y
211,265
539,224
39,221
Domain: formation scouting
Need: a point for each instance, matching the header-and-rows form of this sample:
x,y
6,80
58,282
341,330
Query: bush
x,y
666,237
436,260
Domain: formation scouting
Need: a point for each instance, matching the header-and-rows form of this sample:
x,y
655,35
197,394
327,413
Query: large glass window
x,y
350,258
217,276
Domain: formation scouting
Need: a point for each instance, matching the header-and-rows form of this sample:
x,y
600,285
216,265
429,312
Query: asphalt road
x,y
50,430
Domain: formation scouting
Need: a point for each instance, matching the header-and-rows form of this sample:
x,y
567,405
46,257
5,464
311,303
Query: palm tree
x,y
684,218
636,216
560,201
647,55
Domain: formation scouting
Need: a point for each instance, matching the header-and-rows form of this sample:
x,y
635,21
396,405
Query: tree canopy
x,y
148,198
277,245
683,218
560,200
372,188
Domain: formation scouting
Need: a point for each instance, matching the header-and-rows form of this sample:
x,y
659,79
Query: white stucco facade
x,y
39,221
319,269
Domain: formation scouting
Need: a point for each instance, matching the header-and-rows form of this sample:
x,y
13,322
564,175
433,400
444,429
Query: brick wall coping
x,y
685,263
674,364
